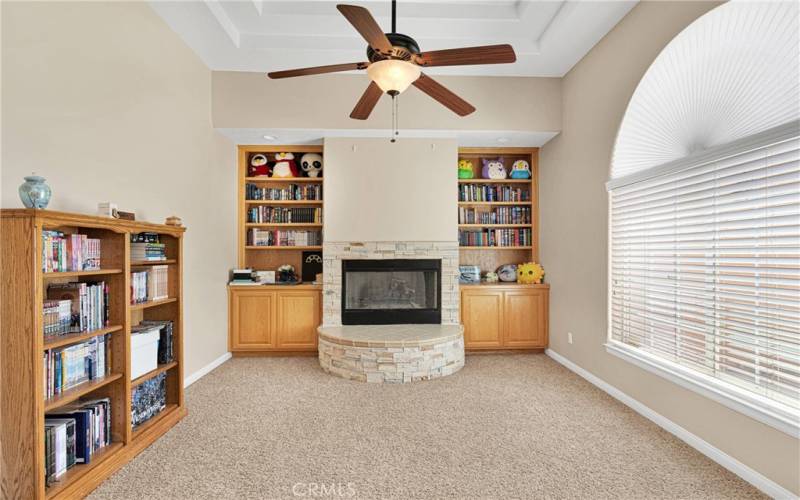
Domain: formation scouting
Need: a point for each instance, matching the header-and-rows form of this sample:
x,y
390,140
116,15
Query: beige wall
x,y
108,104
251,100
376,190
574,224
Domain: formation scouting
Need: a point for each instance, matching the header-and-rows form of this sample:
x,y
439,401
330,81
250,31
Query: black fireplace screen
x,y
391,291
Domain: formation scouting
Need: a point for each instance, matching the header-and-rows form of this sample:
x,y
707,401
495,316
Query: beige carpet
x,y
518,426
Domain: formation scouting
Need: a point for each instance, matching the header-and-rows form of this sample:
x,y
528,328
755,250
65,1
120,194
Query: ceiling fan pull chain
x,y
394,118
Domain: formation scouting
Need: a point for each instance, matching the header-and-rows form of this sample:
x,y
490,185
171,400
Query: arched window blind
x,y
705,267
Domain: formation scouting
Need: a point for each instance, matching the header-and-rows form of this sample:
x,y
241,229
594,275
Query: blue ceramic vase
x,y
34,193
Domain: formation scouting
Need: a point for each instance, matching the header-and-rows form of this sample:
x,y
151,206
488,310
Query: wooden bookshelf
x,y
22,345
271,257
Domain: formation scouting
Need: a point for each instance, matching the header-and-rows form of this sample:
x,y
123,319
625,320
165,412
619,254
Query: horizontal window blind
x,y
705,269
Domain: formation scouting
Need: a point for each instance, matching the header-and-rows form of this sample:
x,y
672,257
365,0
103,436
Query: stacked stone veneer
x,y
334,252
392,362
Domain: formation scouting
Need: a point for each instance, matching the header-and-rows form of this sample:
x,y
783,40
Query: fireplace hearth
x,y
391,291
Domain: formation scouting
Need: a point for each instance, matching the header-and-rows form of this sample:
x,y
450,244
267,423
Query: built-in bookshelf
x,y
498,218
273,232
28,397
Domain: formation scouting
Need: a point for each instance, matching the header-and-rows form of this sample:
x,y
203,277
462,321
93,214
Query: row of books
x,y
495,238
76,307
67,367
499,215
69,252
282,215
482,192
270,238
152,284
290,192
147,247
166,353
73,434
148,399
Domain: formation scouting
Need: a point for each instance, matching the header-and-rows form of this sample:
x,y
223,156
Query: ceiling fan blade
x,y
439,92
486,54
367,102
316,70
365,24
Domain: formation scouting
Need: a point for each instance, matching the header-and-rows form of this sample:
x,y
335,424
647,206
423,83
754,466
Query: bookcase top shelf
x,y
495,203
56,218
478,226
283,224
494,181
286,247
78,274
286,180
283,202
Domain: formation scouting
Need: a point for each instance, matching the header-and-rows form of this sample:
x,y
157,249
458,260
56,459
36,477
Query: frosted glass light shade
x,y
730,74
393,75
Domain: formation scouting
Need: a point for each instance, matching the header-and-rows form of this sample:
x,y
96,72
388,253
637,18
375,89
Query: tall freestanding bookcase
x,y
23,403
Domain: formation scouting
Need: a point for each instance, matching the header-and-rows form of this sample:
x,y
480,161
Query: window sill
x,y
762,409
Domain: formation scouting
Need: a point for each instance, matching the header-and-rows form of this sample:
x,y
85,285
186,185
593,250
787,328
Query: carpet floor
x,y
505,426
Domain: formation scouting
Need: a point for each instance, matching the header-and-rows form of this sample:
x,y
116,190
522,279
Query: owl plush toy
x,y
311,164
493,169
285,166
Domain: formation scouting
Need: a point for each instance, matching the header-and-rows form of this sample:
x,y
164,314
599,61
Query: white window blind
x,y
705,269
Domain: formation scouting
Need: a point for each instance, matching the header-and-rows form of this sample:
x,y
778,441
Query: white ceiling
x,y
549,37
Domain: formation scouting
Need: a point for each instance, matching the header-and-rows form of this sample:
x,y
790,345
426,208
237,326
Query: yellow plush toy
x,y
530,273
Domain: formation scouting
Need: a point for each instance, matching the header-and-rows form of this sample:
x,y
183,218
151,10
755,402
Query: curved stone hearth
x,y
391,353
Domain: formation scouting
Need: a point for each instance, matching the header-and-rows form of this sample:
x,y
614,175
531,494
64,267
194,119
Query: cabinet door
x,y
482,316
526,318
252,319
298,319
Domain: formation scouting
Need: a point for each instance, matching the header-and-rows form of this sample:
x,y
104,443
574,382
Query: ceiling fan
x,y
395,61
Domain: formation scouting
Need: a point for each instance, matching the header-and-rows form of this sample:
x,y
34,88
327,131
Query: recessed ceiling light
x,y
270,137
502,140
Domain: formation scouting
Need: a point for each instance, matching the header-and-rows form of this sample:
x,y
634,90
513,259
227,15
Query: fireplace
x,y
391,291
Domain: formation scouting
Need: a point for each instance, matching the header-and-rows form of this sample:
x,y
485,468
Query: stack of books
x,y
495,238
279,238
152,284
500,215
291,192
147,247
282,215
69,252
88,307
57,317
480,192
67,367
74,433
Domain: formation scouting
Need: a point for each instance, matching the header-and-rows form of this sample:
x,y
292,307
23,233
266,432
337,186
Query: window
x,y
705,272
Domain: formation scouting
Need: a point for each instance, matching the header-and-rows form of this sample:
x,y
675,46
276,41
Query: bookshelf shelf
x,y
147,376
79,470
284,180
284,224
250,247
79,391
496,248
152,303
25,409
153,422
495,203
283,202
74,338
494,181
478,226
145,263
78,274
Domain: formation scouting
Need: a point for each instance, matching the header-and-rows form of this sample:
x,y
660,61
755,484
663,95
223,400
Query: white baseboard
x,y
194,377
753,477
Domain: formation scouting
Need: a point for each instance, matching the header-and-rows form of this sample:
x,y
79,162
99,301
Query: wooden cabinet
x,y
505,316
274,318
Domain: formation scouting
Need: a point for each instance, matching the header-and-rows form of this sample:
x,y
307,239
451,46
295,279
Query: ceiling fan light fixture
x,y
393,75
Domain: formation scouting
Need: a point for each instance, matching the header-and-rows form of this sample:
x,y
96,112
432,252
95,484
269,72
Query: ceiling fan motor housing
x,y
403,47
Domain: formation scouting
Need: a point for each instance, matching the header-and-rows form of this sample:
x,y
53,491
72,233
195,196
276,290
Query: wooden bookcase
x,y
22,345
504,315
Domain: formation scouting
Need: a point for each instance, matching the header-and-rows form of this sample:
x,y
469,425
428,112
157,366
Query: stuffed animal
x,y
493,169
530,273
285,166
465,169
311,164
491,277
520,170
258,165
507,273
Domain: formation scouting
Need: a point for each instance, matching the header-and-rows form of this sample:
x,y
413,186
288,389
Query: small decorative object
x,y
266,276
173,220
507,273
493,169
491,277
311,163
312,265
126,215
468,275
465,170
107,209
34,193
285,166
520,169
258,165
530,273
318,279
286,274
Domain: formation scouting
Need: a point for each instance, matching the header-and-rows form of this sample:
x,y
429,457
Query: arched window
x,y
704,281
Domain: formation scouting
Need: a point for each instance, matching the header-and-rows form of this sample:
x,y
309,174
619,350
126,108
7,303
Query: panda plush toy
x,y
311,164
